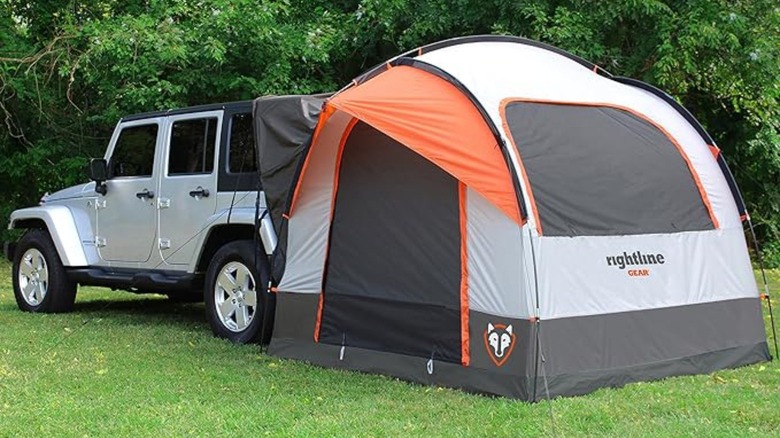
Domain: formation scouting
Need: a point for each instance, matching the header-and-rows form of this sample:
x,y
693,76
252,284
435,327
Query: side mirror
x,y
98,172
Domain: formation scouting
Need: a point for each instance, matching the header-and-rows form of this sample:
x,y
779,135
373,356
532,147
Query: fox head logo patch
x,y
499,341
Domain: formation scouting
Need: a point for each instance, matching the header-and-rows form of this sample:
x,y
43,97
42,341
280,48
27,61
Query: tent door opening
x,y
392,280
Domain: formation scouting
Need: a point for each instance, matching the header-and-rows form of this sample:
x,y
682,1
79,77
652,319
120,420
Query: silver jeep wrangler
x,y
172,208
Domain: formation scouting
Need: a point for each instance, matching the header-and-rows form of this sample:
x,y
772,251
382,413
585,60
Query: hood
x,y
79,191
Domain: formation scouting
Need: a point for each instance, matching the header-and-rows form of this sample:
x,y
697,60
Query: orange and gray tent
x,y
485,211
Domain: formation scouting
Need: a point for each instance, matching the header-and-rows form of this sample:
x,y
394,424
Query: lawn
x,y
126,365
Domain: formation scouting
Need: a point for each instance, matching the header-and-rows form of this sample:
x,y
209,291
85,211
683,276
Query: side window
x,y
192,146
134,151
241,156
643,186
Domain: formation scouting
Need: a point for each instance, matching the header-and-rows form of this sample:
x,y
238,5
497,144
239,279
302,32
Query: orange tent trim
x,y
436,120
465,356
327,111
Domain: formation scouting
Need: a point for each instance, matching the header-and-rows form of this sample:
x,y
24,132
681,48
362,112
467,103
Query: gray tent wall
x,y
283,127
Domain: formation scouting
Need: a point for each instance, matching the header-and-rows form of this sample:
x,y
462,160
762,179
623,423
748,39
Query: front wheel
x,y
40,281
235,293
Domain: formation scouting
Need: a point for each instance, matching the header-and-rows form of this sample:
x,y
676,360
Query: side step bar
x,y
135,281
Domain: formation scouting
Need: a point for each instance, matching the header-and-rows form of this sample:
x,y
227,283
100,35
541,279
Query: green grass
x,y
126,365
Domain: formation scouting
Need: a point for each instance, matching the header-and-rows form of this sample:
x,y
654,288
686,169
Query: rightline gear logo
x,y
637,258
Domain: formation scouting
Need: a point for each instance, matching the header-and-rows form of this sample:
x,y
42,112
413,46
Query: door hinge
x,y
165,243
163,203
100,242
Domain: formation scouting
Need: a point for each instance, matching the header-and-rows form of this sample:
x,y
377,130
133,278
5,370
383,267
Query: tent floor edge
x,y
409,368
483,381
585,382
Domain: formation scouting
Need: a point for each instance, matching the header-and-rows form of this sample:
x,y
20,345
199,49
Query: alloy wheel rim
x,y
33,277
235,296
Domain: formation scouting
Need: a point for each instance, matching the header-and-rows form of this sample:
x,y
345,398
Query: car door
x,y
188,185
126,215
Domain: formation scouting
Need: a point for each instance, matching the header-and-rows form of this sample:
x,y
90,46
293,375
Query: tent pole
x,y
264,287
536,358
766,282
539,355
544,377
537,313
256,246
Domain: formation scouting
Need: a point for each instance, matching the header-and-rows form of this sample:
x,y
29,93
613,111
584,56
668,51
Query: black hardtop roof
x,y
241,104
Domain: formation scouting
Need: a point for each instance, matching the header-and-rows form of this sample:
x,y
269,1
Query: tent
x,y
495,214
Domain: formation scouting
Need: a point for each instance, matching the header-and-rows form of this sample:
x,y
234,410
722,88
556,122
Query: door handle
x,y
146,193
200,192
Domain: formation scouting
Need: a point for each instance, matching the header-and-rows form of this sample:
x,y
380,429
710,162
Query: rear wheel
x,y
40,281
235,293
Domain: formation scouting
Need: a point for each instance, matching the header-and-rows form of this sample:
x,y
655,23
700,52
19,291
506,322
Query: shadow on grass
x,y
144,310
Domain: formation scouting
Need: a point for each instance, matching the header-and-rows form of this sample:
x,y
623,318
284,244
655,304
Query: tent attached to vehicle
x,y
485,211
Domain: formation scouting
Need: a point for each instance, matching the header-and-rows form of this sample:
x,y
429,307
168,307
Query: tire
x,y
40,281
235,294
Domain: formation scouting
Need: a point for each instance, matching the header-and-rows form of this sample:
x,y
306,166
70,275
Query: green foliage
x,y
770,254
70,70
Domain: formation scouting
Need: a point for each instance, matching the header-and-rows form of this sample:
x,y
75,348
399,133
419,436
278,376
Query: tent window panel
x,y
394,248
597,170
